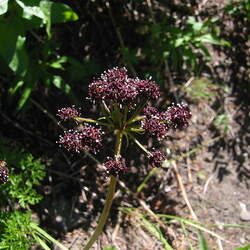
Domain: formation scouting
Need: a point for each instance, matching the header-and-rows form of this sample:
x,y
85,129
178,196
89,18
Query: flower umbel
x,y
156,158
4,172
115,166
68,113
115,86
178,115
86,138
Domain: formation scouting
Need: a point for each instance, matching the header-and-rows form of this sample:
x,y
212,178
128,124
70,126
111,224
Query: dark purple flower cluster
x,y
155,126
114,85
86,138
156,159
115,166
178,115
158,123
68,113
4,172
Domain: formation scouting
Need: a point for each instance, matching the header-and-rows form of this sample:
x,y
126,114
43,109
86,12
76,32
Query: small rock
x,y
244,214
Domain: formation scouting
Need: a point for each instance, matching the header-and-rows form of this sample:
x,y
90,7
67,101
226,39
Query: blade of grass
x,y
153,229
186,235
47,236
41,242
202,241
194,224
228,225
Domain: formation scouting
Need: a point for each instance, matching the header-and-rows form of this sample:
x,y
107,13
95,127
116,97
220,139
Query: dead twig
x,y
183,190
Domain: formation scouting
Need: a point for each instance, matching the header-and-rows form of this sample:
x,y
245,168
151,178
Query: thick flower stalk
x,y
125,110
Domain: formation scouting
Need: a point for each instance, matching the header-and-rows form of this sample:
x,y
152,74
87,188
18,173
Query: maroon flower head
x,y
178,115
154,124
156,159
4,174
87,138
115,86
115,166
68,113
148,89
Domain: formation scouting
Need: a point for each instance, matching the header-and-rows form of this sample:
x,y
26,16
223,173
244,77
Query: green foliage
x,y
183,47
246,247
15,230
25,173
239,8
202,89
222,123
21,17
18,231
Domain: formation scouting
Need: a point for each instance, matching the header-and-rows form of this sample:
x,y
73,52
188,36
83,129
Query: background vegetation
x,y
197,51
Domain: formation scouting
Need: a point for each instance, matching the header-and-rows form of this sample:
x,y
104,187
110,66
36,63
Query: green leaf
x,y
208,38
41,232
57,64
246,247
154,229
41,242
30,9
60,84
3,6
46,8
25,94
195,25
12,46
61,13
202,241
19,61
17,86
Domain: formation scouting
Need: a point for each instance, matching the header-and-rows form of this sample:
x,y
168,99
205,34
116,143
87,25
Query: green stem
x,y
109,198
88,120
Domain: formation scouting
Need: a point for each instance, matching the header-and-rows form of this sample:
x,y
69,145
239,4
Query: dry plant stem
x,y
184,193
109,198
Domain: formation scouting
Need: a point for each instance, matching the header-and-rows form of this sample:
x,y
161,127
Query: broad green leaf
x,y
59,83
31,8
58,12
3,6
12,46
46,8
19,61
